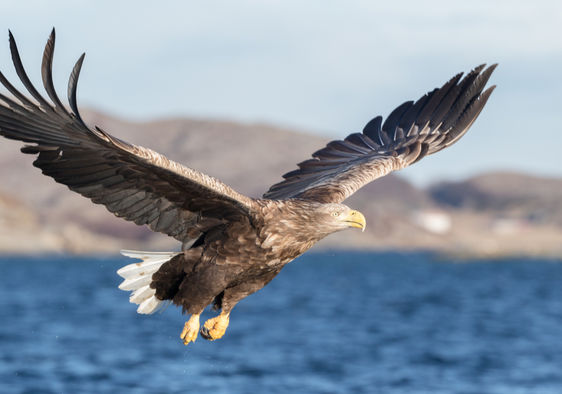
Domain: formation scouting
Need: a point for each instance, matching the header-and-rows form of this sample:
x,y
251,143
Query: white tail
x,y
139,275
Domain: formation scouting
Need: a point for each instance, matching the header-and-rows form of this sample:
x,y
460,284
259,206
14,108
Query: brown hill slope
x,y
515,196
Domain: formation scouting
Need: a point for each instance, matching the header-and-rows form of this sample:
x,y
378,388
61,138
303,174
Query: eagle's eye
x,y
335,214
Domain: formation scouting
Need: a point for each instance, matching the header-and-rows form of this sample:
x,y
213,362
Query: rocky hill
x,y
510,195
489,215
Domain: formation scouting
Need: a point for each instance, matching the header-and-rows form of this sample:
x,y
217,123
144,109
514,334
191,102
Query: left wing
x,y
411,132
134,183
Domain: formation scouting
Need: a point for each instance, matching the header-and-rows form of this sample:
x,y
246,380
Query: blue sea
x,y
341,322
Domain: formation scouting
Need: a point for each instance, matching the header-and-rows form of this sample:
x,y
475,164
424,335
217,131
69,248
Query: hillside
x,y
511,195
38,215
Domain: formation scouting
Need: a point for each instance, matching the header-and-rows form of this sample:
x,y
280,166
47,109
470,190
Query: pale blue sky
x,y
322,66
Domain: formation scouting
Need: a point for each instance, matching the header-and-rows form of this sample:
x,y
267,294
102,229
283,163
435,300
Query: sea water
x,y
338,322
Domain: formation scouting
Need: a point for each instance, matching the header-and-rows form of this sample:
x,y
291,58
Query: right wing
x,y
412,131
133,182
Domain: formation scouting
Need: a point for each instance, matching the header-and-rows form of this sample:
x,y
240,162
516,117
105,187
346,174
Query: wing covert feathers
x,y
412,131
133,182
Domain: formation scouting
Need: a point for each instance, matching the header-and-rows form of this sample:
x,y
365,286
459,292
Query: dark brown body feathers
x,y
234,260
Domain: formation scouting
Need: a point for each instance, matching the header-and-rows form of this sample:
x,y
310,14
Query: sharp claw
x,y
215,328
204,331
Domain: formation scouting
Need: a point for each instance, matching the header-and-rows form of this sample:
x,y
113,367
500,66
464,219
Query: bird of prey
x,y
232,245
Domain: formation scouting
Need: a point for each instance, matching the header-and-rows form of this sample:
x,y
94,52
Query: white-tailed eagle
x,y
233,245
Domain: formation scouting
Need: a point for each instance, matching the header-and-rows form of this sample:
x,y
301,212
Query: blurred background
x,y
243,91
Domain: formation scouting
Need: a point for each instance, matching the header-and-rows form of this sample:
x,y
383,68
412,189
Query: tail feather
x,y
141,294
135,283
138,277
136,269
150,305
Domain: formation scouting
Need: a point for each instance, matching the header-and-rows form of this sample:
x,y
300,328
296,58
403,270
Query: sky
x,y
325,67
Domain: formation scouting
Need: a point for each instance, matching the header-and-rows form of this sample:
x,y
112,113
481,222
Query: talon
x,y
216,327
205,333
190,330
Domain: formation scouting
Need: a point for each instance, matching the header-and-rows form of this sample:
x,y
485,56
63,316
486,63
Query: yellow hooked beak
x,y
355,219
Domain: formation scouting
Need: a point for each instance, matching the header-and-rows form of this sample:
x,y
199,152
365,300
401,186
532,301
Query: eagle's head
x,y
339,217
301,222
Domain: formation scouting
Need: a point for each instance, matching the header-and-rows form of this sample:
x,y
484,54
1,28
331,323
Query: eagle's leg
x,y
190,330
216,327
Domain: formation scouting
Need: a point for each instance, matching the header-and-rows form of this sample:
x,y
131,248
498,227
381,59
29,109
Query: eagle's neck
x,y
290,227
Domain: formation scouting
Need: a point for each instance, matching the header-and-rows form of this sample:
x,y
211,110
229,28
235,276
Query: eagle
x,y
231,245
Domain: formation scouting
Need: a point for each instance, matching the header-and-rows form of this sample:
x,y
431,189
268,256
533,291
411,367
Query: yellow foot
x,y
216,327
190,330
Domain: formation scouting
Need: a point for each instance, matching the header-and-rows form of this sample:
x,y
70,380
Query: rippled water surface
x,y
329,323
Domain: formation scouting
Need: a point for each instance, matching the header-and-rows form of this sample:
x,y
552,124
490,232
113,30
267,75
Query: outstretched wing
x,y
132,182
411,131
